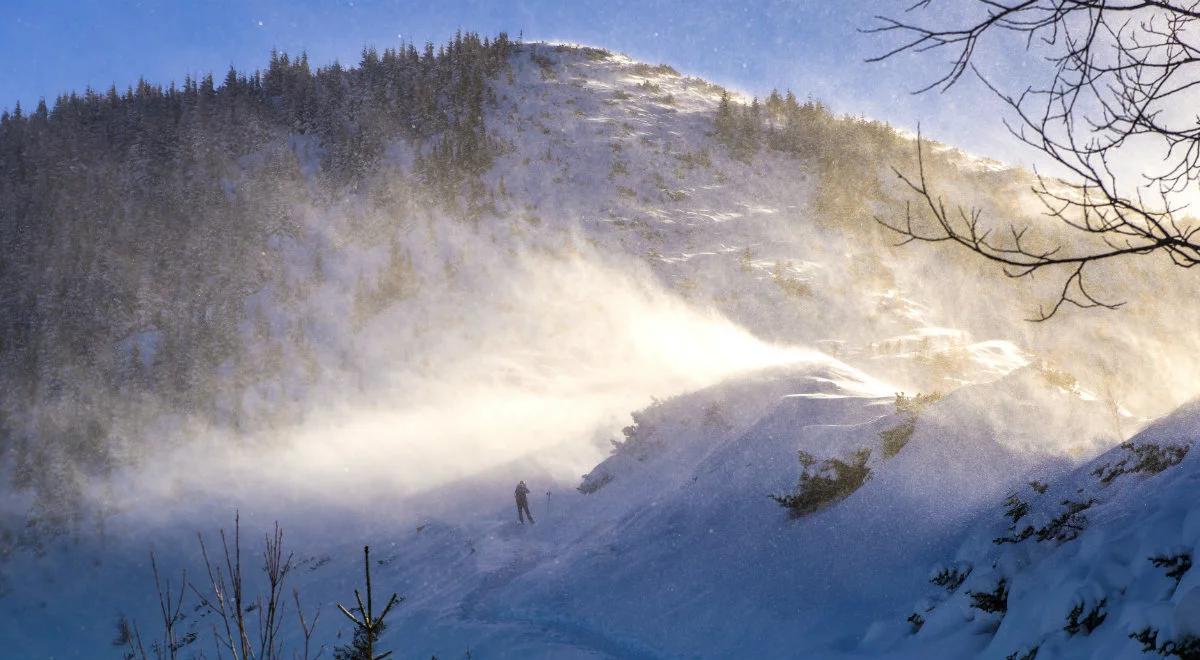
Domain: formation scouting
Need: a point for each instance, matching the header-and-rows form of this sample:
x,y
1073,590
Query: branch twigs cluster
x,y
224,598
1120,71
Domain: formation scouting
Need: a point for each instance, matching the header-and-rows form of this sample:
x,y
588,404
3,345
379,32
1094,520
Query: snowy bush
x,y
950,578
915,404
594,481
1177,565
992,602
593,54
700,158
1089,622
1057,377
545,65
1068,524
714,418
1015,537
790,285
1185,648
1148,637
1015,508
825,483
746,260
895,438
1147,458
646,70
641,440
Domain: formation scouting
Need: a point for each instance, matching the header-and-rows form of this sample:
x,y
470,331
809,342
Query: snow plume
x,y
1136,356
506,358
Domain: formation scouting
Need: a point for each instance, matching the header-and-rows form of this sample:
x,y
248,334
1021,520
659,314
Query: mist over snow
x,y
535,371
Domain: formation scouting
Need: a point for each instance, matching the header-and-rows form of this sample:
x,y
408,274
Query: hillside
x,y
413,282
1092,564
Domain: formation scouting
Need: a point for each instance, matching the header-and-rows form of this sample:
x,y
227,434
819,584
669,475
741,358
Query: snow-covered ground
x,y
1093,572
629,256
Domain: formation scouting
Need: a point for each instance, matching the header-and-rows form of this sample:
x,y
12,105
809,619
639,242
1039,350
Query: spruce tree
x,y
367,626
725,123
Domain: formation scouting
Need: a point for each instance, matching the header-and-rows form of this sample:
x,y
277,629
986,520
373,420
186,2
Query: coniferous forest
x,y
132,226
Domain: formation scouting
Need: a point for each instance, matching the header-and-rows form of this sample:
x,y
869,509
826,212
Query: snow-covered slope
x,y
1094,564
678,551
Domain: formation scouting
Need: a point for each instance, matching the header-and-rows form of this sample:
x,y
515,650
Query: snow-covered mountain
x,y
779,499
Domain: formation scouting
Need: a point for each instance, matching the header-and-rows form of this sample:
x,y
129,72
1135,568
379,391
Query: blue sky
x,y
810,46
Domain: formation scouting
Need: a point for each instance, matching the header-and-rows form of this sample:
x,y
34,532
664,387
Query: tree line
x,y
133,225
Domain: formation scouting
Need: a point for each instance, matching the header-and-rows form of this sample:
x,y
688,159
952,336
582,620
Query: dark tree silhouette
x,y
367,626
1120,76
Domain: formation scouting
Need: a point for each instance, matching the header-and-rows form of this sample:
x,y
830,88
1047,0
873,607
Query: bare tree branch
x,y
1120,71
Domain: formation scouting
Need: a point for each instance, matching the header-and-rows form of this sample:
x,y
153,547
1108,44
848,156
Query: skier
x,y
522,494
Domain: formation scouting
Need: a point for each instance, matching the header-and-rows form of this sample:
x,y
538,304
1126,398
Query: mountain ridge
x,y
424,333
